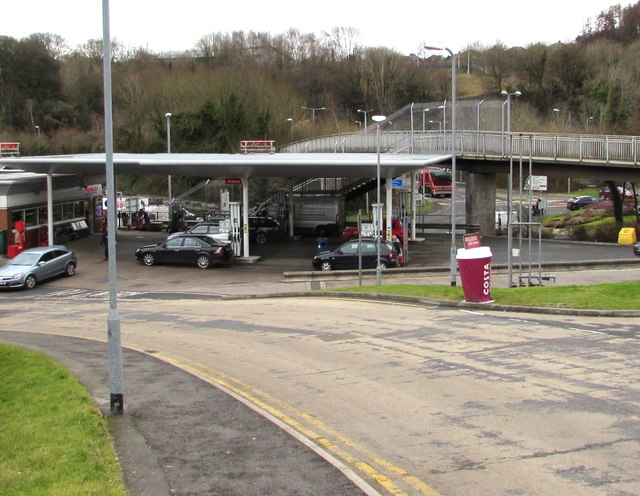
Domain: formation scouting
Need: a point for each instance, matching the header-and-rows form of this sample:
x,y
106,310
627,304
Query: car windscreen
x,y
25,259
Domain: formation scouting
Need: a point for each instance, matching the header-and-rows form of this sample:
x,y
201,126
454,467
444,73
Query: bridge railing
x,y
484,144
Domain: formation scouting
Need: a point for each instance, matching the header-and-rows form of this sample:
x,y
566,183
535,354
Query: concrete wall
x,y
480,204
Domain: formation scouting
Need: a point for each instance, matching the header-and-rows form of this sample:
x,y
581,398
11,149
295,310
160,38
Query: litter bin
x,y
475,273
323,245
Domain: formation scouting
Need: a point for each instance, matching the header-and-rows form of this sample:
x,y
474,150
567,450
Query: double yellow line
x,y
336,447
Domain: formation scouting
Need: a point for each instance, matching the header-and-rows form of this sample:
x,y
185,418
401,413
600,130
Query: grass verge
x,y
608,296
53,440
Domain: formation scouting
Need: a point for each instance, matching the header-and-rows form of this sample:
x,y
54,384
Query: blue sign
x,y
396,183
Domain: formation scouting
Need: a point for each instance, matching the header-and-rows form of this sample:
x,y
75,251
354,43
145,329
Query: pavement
x,y
175,415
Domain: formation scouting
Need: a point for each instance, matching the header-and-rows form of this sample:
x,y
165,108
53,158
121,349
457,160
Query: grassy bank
x,y
53,440
612,296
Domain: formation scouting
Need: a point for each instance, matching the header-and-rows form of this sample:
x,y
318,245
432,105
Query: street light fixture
x,y
37,128
439,123
365,112
168,117
313,115
378,119
453,269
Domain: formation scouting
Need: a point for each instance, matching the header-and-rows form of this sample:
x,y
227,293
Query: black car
x,y
346,256
200,250
636,249
578,202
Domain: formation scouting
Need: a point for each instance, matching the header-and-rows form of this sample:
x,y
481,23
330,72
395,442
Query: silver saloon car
x,y
37,264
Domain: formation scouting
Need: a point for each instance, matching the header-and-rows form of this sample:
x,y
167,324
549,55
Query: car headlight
x,y
17,276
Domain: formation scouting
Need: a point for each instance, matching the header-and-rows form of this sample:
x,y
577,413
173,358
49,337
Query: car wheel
x,y
261,238
70,269
30,282
148,259
203,261
326,265
383,264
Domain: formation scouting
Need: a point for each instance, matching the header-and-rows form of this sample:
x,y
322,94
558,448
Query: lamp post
x,y
424,113
510,187
378,119
439,123
365,112
168,117
37,128
313,115
116,399
290,121
478,126
453,268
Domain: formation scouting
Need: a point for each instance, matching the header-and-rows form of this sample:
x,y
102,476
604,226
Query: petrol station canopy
x,y
357,165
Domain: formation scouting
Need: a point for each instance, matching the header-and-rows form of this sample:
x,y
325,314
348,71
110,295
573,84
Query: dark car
x,y
636,249
200,250
346,256
37,264
262,229
578,202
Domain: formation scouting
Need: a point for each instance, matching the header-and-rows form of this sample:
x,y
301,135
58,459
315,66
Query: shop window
x,y
31,217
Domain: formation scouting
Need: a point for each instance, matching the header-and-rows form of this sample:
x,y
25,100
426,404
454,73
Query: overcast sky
x,y
165,25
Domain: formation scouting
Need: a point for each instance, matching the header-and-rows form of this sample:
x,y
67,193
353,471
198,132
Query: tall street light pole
x,y
116,397
510,187
290,120
168,117
313,115
365,112
453,268
378,119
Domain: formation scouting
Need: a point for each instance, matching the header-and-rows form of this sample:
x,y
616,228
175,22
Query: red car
x,y
351,232
605,193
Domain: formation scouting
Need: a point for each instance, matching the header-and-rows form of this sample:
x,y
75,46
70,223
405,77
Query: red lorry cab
x,y
434,182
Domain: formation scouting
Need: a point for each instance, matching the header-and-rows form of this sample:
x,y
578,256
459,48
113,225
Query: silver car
x,y
211,229
37,264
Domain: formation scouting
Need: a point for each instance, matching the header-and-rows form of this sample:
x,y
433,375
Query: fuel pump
x,y
235,232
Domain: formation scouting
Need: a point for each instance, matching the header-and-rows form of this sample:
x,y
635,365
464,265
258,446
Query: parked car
x,y
351,232
34,265
636,249
346,256
578,202
192,249
211,229
263,229
605,193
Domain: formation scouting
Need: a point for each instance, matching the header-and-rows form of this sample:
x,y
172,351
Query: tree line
x,y
250,85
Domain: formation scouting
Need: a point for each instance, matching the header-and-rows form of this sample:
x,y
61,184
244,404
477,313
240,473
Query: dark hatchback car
x,y
578,202
636,249
346,256
200,250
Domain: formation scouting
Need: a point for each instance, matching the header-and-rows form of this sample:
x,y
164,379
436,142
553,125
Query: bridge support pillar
x,y
480,205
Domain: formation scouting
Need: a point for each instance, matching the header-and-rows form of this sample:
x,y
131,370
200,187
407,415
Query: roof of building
x,y
231,165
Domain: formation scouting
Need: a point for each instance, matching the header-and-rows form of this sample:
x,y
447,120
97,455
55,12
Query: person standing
x,y
105,241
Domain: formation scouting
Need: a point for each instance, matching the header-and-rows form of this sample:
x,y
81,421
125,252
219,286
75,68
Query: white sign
x,y
367,230
536,183
224,200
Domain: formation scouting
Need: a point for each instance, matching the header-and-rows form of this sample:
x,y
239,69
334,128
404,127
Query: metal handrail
x,y
579,148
